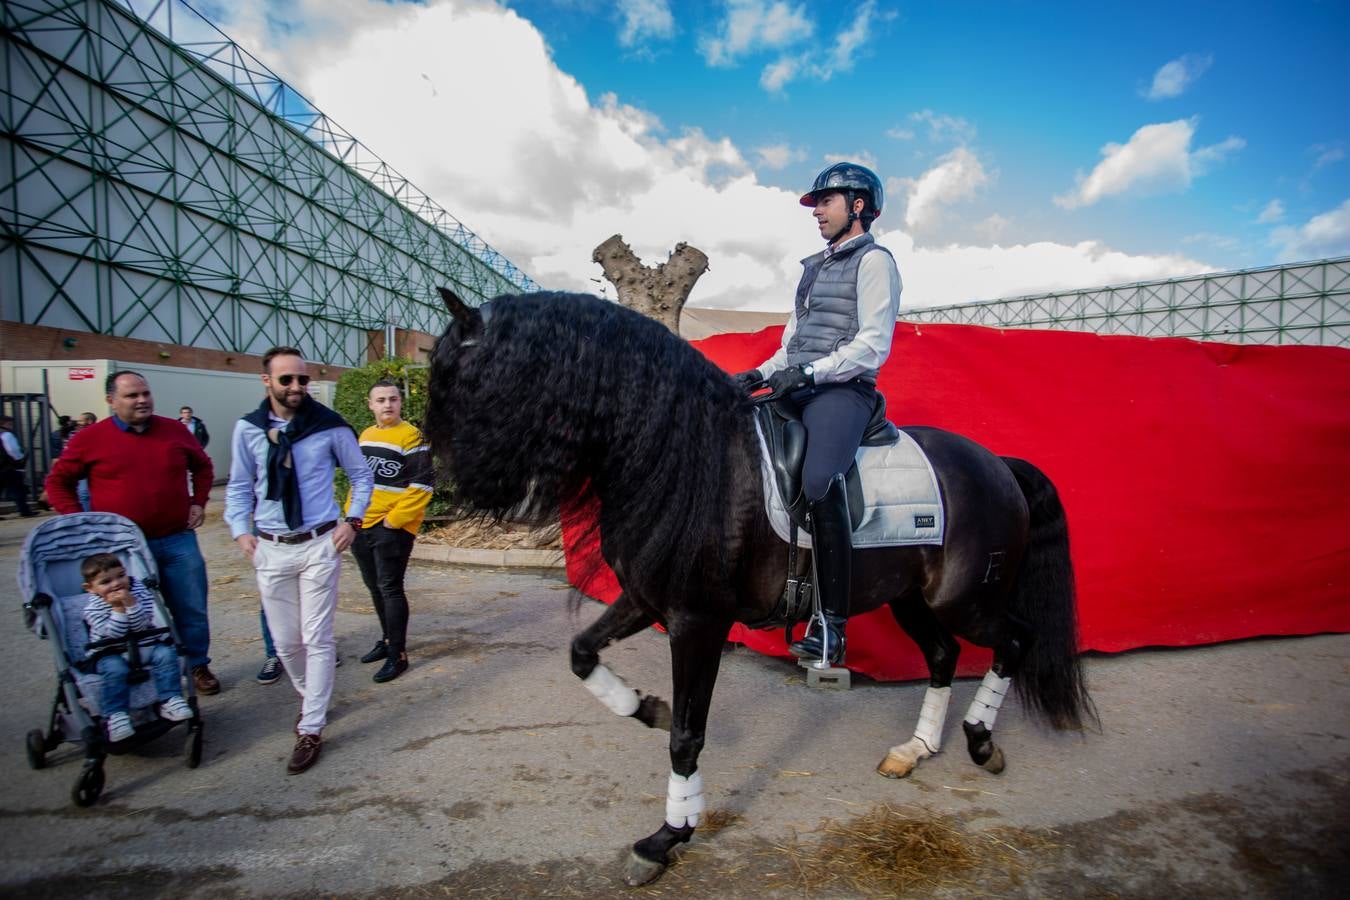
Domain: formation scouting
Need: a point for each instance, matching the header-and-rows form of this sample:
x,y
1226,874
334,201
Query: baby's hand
x,y
120,599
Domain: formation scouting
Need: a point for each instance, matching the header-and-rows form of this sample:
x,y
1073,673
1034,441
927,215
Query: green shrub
x,y
350,402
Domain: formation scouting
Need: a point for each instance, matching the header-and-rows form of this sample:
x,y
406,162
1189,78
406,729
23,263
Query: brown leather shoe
x,y
206,682
305,754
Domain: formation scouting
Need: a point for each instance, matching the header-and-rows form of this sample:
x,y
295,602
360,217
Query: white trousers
x,y
299,588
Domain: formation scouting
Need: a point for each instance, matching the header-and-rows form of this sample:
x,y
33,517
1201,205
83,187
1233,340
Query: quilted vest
x,y
827,304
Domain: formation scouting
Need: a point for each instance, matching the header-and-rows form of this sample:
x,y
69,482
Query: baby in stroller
x,y
120,605
90,590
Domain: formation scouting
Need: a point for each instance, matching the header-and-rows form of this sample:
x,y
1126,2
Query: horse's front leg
x,y
696,652
621,619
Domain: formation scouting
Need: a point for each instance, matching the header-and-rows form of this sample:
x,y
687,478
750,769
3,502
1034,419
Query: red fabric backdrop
x,y
1207,485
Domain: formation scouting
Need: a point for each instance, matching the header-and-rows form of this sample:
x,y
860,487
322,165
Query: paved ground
x,y
487,771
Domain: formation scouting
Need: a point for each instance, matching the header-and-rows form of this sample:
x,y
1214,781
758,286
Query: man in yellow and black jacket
x,y
401,464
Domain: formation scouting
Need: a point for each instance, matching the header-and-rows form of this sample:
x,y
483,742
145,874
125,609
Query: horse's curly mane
x,y
567,398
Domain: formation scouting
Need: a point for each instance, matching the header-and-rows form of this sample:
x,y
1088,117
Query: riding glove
x,y
785,381
748,380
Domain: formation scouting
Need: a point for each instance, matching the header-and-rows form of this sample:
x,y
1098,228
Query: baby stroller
x,y
50,581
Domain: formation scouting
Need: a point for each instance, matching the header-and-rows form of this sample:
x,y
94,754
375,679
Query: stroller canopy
x,y
53,552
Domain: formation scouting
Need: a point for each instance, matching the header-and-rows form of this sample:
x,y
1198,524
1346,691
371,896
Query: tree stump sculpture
x,y
660,292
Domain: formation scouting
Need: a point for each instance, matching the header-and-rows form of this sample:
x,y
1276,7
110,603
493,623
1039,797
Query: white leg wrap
x,y
610,690
684,800
932,717
988,700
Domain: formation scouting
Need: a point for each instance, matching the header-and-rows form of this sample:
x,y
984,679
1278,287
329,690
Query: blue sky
x,y
1025,146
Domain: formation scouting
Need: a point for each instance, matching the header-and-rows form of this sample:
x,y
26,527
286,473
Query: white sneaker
x,y
120,727
175,709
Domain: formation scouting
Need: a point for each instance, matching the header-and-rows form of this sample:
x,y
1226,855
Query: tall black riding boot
x,y
832,545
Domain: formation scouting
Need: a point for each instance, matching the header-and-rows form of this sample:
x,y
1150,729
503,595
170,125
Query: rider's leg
x,y
835,416
832,544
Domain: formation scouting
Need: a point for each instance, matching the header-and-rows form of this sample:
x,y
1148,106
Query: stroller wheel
x,y
89,786
194,747
37,749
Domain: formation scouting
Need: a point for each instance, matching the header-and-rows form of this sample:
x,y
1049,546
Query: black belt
x,y
301,537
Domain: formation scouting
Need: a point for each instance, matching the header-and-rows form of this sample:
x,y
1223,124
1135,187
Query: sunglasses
x,y
285,380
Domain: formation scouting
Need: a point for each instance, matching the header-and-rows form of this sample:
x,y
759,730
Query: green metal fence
x,y
158,182
1299,303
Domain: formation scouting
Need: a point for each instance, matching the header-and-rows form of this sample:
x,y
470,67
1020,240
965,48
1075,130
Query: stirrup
x,y
809,647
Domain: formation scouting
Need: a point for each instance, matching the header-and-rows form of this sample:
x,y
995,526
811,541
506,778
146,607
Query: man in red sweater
x,y
137,465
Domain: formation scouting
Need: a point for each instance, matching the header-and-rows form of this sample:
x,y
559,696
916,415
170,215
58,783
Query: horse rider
x,y
834,344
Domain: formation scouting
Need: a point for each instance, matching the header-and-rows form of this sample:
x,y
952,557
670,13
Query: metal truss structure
x,y
1301,303
158,182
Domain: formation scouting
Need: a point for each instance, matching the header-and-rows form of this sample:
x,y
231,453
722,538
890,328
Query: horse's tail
x,y
1050,680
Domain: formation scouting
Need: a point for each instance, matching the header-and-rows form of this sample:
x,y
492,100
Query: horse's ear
x,y
463,312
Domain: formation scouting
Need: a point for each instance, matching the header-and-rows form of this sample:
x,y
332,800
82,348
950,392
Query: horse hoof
x,y
638,871
895,767
653,712
995,761
661,716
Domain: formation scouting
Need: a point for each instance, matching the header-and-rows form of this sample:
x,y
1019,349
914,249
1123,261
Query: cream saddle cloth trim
x,y
901,502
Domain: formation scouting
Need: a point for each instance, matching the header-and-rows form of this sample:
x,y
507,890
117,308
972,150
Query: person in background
x,y
65,427
137,465
283,516
12,455
194,425
399,460
82,489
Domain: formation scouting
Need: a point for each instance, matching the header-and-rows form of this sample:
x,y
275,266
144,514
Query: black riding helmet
x,y
853,180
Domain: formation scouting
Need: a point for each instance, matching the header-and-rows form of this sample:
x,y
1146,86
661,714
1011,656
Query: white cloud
x,y
1273,212
957,176
862,158
848,41
777,74
942,127
841,58
1156,158
645,20
1172,79
1321,236
992,227
544,172
755,25
936,276
1214,154
1327,155
900,134
778,156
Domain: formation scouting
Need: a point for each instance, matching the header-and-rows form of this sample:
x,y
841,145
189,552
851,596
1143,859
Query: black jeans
x,y
382,555
13,487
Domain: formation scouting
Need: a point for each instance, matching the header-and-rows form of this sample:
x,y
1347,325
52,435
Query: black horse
x,y
547,401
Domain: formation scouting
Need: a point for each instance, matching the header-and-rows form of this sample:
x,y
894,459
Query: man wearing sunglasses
x,y
283,515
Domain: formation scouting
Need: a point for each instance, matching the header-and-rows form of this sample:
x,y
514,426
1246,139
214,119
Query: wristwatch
x,y
809,370
355,522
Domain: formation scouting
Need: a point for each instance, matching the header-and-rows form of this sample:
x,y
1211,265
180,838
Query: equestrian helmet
x,y
851,179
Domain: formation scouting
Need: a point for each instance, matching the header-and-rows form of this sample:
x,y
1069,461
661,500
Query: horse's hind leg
x,y
940,650
622,619
979,721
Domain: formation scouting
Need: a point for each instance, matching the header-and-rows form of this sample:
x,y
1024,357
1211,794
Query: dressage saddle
x,y
780,421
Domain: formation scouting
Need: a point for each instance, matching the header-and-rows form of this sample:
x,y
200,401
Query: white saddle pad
x,y
902,504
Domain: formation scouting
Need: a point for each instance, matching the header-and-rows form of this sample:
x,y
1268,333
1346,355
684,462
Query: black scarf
x,y
282,482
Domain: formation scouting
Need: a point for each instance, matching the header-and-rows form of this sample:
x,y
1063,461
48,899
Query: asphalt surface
x,y
488,771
